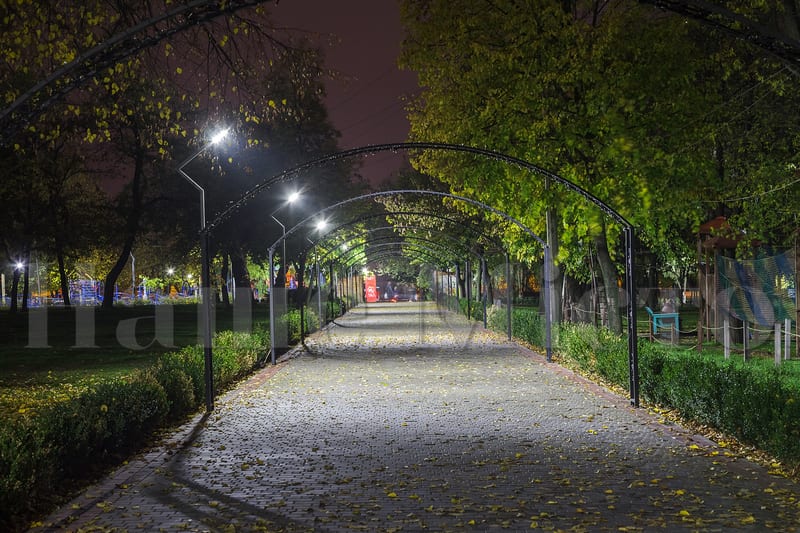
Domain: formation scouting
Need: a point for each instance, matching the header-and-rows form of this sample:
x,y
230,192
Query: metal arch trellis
x,y
396,147
388,239
372,195
410,241
429,251
355,254
332,251
424,214
461,246
436,216
627,227
501,214
422,249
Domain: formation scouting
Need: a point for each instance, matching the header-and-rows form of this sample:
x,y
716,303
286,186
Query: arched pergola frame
x,y
360,235
508,218
422,214
416,240
627,227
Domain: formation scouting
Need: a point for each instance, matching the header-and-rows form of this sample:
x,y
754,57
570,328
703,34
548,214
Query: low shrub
x,y
235,355
43,453
759,404
72,440
475,308
292,318
526,323
178,385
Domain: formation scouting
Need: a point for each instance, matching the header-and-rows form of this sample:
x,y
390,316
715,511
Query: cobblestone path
x,y
402,418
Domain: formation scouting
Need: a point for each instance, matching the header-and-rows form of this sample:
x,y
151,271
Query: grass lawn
x,y
32,377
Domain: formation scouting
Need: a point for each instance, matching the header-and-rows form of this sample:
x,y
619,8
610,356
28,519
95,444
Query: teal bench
x,y
665,321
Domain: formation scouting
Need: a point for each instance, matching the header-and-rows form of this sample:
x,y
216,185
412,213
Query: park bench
x,y
660,321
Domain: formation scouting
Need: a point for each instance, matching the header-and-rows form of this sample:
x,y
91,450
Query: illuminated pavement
x,y
400,417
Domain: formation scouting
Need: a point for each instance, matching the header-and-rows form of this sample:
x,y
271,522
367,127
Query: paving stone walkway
x,y
402,418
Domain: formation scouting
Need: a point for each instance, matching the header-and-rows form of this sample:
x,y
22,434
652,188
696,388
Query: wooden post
x,y
726,337
787,339
777,344
746,338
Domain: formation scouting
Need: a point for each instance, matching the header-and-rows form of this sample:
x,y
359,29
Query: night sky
x,y
367,105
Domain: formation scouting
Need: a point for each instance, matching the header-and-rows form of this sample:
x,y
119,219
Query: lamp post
x,y
290,200
206,270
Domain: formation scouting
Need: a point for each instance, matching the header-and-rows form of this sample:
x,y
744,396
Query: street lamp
x,y
290,200
206,270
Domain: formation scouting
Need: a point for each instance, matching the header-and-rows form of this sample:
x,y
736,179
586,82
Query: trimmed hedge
x,y
43,455
759,404
293,318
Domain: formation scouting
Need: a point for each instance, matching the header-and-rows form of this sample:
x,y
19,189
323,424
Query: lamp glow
x,y
219,136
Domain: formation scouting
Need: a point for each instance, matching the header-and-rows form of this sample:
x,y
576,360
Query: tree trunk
x,y
14,291
116,270
131,227
652,279
62,274
461,289
609,274
241,276
26,285
226,297
556,280
488,288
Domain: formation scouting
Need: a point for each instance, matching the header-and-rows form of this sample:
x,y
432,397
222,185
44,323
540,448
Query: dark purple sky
x,y
367,104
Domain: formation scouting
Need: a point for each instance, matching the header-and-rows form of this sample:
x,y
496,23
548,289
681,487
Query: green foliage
x,y
46,450
179,385
236,353
526,323
71,439
334,309
293,319
758,404
475,308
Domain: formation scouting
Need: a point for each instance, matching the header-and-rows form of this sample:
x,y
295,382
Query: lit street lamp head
x,y
219,136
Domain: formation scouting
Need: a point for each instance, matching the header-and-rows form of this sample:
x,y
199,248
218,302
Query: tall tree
x,y
534,79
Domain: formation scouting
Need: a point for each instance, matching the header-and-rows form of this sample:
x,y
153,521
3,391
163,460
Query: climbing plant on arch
x,y
534,170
